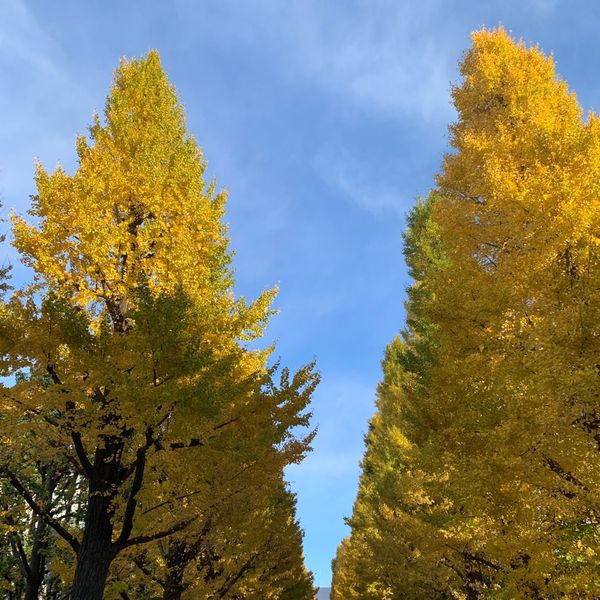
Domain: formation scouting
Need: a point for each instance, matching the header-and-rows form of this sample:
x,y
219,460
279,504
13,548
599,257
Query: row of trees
x,y
480,476
143,436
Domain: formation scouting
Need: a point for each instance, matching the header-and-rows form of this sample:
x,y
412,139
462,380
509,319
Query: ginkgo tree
x,y
481,469
139,372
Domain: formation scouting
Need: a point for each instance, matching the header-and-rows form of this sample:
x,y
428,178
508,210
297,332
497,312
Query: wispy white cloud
x,y
344,172
42,108
23,40
383,59
374,55
34,71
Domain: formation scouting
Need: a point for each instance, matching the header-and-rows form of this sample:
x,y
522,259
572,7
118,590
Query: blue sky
x,y
324,120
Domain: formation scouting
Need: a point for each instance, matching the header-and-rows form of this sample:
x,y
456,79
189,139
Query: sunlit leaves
x,y
481,469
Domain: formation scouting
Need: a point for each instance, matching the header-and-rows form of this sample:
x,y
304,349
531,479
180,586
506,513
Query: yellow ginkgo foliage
x,y
134,373
485,452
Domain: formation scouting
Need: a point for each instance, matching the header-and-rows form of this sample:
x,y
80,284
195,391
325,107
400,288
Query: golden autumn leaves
x,y
481,469
143,444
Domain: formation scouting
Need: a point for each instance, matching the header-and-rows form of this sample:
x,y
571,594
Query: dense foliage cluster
x,y
480,476
144,436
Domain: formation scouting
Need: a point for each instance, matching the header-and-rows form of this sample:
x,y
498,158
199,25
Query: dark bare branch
x,y
39,511
136,485
86,464
555,467
144,539
19,553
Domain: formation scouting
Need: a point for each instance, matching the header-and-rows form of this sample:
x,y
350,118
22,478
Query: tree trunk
x,y
91,574
96,552
37,561
32,591
174,586
177,559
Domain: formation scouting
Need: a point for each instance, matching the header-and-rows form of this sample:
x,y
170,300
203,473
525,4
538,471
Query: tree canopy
x,y
480,463
145,434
